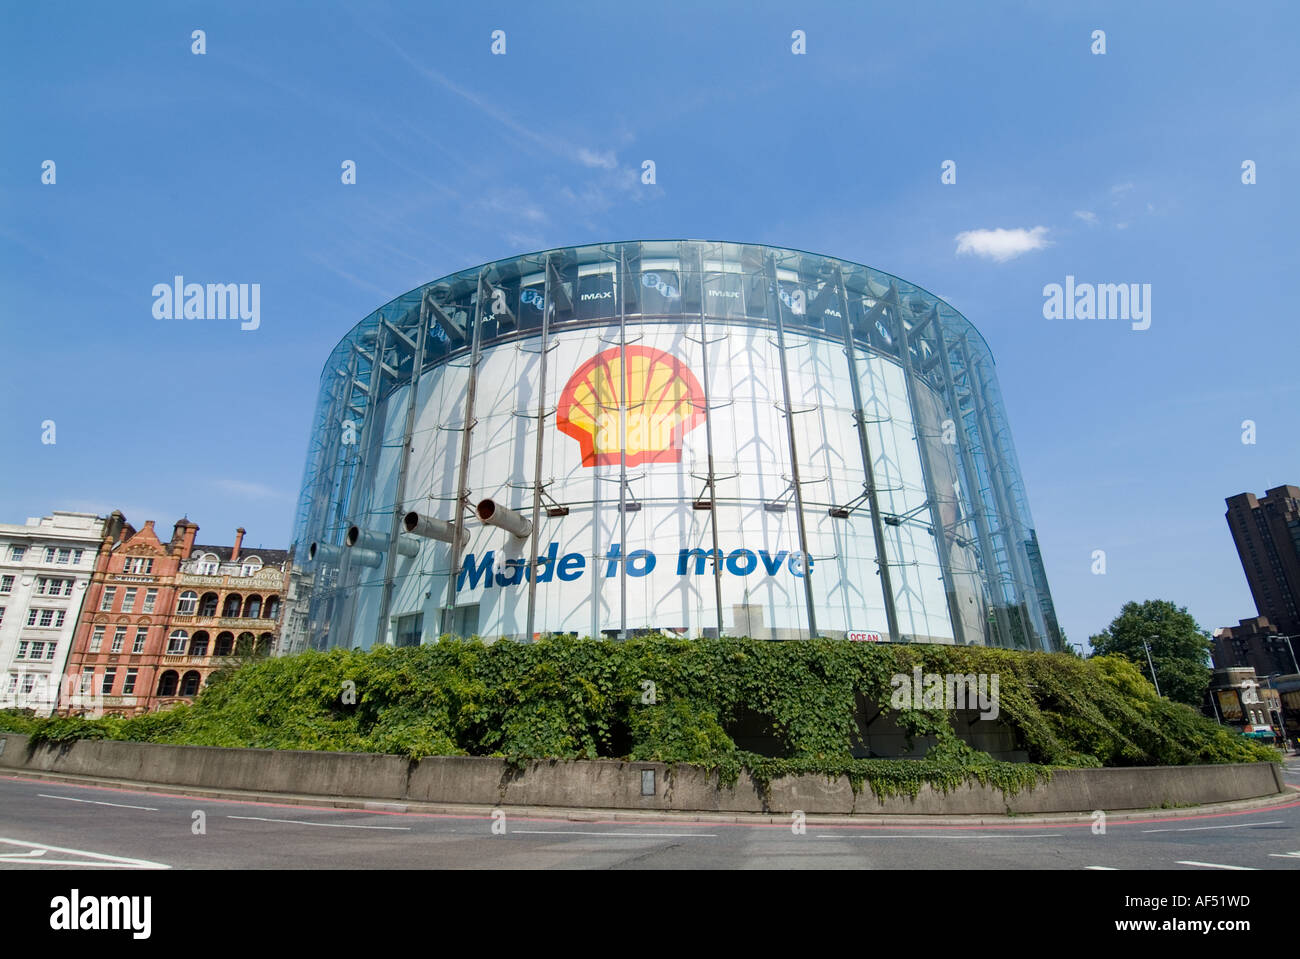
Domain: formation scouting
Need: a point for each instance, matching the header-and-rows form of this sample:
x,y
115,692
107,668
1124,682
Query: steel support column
x,y
708,439
622,455
775,300
548,308
869,471
467,431
993,456
372,404
973,490
927,469
417,366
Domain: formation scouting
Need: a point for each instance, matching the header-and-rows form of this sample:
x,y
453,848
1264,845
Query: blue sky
x,y
226,168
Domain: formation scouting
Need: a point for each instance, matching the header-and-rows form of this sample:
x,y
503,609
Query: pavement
x,y
59,822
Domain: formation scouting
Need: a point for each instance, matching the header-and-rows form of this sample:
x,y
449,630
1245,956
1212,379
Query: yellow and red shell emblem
x,y
659,395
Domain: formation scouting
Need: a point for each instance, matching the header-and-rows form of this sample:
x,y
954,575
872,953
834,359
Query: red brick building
x,y
160,618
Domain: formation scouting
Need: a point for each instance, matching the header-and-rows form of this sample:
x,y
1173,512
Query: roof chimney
x,y
239,538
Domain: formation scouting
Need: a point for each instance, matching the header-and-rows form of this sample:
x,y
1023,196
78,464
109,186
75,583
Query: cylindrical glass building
x,y
693,437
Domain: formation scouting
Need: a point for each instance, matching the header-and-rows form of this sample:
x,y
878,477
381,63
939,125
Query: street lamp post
x,y
1152,665
1290,649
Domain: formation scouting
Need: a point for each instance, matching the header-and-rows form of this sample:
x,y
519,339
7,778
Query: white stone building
x,y
45,567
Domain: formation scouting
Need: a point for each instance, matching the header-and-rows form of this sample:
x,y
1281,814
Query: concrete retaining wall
x,y
615,785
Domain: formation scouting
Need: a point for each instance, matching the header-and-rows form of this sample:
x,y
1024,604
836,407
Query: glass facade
x,y
692,437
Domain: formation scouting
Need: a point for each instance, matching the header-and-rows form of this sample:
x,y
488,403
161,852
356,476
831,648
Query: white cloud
x,y
1121,188
605,161
1087,216
1002,245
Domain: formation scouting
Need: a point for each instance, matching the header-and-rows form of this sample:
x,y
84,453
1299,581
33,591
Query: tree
x,y
1179,647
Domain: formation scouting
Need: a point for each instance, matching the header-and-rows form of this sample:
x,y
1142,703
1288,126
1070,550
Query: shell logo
x,y
661,396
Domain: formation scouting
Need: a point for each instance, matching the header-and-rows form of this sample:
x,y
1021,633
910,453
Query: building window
x,y
177,642
96,639
249,569
22,649
50,649
110,677
231,608
167,683
6,584
138,646
207,568
208,606
190,684
128,684
188,603
47,618
128,600
150,597
13,684
138,565
58,618
119,637
29,680
106,604
2,614
76,556
16,553
199,644
65,557
409,630
87,678
49,554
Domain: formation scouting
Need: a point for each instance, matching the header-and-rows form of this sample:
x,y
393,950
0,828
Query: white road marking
x,y
1240,825
1285,855
95,802
637,835
1105,868
332,825
1215,865
1037,835
105,860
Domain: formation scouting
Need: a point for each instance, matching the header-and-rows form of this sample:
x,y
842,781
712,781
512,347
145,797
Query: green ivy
x,y
579,699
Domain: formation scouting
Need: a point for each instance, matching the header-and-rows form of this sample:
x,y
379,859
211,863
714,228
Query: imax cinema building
x,y
684,437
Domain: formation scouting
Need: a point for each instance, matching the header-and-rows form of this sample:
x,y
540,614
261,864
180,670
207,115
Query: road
x,y
48,824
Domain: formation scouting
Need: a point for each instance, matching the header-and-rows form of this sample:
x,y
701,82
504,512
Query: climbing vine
x,y
796,707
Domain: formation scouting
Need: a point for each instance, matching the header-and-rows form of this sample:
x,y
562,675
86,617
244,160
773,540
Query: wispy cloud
x,y
1001,245
1087,216
560,146
249,489
605,161
1119,188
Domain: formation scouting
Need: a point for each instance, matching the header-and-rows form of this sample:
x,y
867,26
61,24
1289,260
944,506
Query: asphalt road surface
x,y
51,825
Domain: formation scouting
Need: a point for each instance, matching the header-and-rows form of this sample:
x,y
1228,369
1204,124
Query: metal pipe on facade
x,y
492,513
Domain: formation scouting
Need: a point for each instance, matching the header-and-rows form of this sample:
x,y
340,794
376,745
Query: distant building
x,y
1267,535
1257,644
1240,701
45,568
159,618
